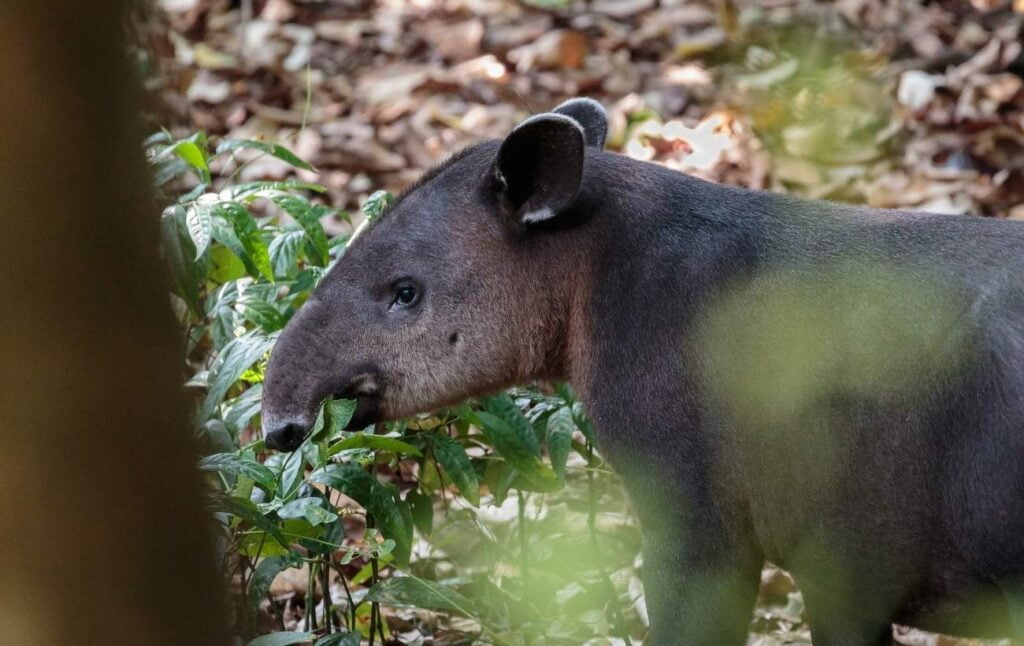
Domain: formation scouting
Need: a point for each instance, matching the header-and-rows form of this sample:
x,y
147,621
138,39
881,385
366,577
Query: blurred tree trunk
x,y
103,537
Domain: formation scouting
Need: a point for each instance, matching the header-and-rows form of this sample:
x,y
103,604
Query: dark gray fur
x,y
887,504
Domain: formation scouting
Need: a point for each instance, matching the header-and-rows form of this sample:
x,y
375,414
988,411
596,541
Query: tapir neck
x,y
657,245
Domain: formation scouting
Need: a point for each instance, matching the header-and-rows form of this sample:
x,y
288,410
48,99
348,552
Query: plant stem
x,y
374,606
524,554
592,499
348,594
307,619
325,586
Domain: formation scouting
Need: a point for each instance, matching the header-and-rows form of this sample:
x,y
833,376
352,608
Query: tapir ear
x,y
540,165
591,115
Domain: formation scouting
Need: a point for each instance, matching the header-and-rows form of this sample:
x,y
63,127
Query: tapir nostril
x,y
286,437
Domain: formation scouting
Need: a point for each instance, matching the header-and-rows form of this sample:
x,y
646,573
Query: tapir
x,y
836,389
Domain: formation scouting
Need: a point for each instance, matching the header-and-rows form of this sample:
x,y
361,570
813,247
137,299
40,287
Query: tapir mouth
x,y
367,412
366,388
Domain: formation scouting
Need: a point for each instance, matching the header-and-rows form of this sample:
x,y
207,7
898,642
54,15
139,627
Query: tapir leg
x,y
700,579
700,604
838,624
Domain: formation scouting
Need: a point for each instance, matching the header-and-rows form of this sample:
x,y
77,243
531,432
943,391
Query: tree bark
x,y
103,534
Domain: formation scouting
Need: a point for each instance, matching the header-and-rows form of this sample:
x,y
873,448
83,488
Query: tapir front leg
x,y
700,574
695,600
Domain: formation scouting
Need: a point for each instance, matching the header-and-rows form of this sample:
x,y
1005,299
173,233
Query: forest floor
x,y
894,104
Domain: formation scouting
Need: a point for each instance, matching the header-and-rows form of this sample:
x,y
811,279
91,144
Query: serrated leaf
x,y
284,638
248,234
376,442
452,456
560,430
377,498
275,150
264,575
232,361
419,593
240,466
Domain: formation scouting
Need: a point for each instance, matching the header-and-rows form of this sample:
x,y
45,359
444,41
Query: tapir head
x,y
464,286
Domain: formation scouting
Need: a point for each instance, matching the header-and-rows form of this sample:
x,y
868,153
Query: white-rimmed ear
x,y
540,166
591,115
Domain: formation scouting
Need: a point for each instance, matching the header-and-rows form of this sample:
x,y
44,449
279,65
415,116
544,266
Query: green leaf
x,y
339,639
308,216
284,251
339,413
218,438
310,508
419,593
264,575
232,361
503,406
276,150
225,265
376,204
377,442
421,506
282,639
239,411
455,461
188,269
199,221
248,234
167,169
247,511
248,189
582,423
292,470
560,430
224,234
519,454
191,154
377,498
240,466
261,313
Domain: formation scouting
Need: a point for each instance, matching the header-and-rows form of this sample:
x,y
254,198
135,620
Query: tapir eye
x,y
406,295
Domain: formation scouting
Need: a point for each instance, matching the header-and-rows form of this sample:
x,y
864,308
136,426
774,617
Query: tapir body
x,y
838,390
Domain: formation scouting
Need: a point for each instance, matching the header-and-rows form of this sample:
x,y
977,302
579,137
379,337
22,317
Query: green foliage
x,y
244,257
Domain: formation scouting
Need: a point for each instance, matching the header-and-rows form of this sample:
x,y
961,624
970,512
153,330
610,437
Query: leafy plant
x,y
358,509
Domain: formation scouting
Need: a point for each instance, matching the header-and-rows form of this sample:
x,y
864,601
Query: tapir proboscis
x,y
838,390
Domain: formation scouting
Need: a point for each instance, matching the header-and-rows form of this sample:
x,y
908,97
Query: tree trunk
x,y
103,535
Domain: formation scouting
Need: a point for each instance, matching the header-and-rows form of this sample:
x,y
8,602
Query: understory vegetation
x,y
495,520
